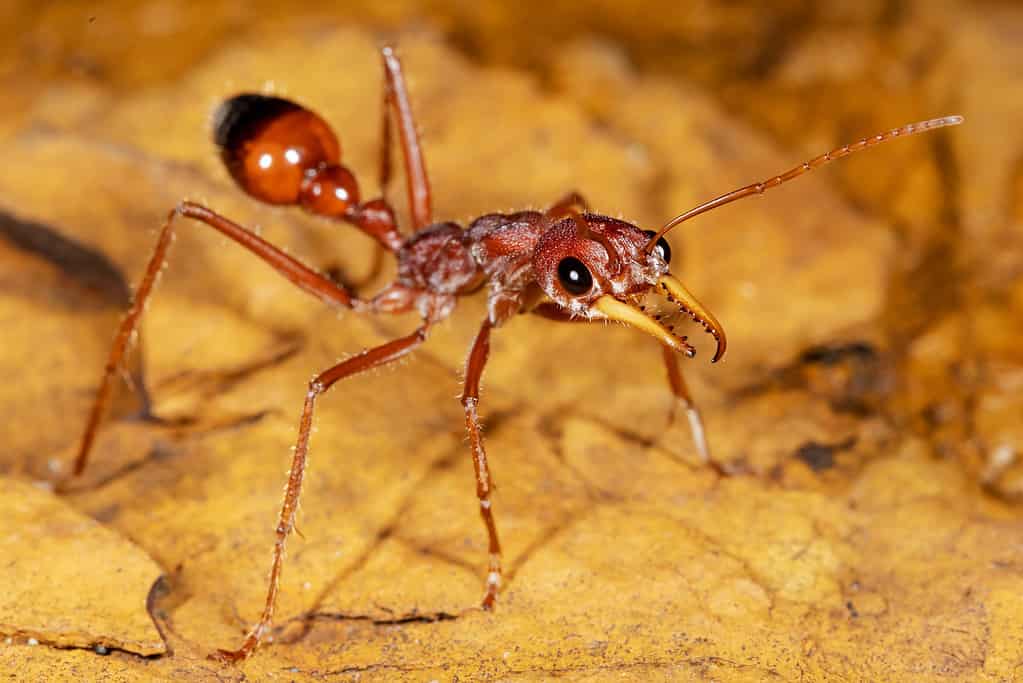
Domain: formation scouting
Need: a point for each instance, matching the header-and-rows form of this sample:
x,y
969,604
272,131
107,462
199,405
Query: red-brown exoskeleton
x,y
564,263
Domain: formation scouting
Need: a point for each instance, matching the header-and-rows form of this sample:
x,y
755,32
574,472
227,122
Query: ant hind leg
x,y
396,101
301,275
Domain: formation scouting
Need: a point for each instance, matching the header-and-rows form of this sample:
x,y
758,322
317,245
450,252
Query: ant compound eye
x,y
574,276
662,248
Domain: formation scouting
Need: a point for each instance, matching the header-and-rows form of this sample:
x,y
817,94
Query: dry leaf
x,y
53,593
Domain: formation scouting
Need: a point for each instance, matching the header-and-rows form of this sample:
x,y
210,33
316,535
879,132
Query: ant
x,y
565,263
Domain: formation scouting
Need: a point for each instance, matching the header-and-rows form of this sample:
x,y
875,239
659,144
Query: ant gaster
x,y
564,263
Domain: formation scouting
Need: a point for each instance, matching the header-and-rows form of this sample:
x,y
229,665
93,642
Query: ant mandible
x,y
565,264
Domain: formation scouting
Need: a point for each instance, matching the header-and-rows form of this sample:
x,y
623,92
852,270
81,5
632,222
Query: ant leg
x,y
302,276
675,380
375,357
681,391
484,483
572,203
396,99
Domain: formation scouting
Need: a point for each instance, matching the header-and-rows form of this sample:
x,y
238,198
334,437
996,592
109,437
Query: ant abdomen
x,y
281,153
329,191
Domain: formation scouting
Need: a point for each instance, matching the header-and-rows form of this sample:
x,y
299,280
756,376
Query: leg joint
x,y
187,208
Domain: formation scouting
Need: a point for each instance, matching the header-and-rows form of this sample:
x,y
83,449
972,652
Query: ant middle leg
x,y
298,273
375,357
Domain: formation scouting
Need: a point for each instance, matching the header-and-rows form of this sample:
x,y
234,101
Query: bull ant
x,y
565,263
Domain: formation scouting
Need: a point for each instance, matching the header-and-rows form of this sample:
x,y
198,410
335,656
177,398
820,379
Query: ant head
x,y
597,267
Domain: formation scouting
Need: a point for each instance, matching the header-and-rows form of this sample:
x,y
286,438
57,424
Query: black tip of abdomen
x,y
241,117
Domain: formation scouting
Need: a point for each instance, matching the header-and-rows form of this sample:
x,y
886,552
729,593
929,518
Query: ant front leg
x,y
681,391
366,360
484,483
675,381
301,275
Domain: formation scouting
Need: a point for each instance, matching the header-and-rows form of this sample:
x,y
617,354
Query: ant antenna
x,y
761,187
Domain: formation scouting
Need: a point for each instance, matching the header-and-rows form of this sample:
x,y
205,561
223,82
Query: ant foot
x,y
493,582
720,469
229,656
235,656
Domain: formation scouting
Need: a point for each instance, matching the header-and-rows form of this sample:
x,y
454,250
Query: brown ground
x,y
871,398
